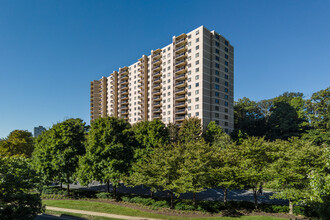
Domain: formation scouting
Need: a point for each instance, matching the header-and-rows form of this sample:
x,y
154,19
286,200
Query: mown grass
x,y
120,210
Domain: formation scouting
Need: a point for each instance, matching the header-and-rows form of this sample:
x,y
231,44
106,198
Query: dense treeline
x,y
282,143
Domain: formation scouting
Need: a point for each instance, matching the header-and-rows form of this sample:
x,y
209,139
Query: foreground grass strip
x,y
120,210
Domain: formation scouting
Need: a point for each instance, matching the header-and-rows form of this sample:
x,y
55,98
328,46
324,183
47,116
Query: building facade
x,y
192,76
38,130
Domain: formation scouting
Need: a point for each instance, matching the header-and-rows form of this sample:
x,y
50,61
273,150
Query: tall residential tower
x,y
192,76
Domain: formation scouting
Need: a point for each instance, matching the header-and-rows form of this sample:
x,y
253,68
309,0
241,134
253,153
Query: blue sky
x,y
51,50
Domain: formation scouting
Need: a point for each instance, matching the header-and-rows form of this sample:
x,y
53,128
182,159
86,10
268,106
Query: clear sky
x,y
51,50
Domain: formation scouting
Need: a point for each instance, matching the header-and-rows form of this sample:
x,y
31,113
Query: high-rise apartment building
x,y
192,76
38,130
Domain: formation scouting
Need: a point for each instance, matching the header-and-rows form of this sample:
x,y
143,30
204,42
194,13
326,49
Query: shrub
x,y
161,203
184,206
104,195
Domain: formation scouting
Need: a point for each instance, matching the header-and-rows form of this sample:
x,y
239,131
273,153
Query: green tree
x,y
294,160
18,143
256,155
283,122
193,173
248,117
17,179
58,149
190,130
149,134
318,107
109,152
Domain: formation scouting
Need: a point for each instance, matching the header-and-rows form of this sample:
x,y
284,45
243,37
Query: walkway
x,y
97,214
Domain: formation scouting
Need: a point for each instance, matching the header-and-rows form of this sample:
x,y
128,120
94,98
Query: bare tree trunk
x,y
194,199
255,198
115,191
108,186
68,185
151,194
290,207
172,205
225,196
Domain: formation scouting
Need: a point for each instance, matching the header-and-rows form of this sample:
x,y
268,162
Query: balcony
x,y
180,42
157,68
180,98
180,63
157,110
125,92
157,80
159,73
125,82
180,37
181,111
180,70
180,84
123,77
124,97
141,91
181,49
124,87
156,55
157,86
157,62
180,56
157,104
180,118
124,107
124,103
180,104
156,116
157,92
157,98
180,77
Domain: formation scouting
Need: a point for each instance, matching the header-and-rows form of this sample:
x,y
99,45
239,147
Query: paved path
x,y
97,214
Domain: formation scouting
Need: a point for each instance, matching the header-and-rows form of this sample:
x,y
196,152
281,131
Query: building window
x,y
217,51
217,72
197,84
216,87
226,110
216,115
226,49
197,55
189,58
189,115
217,101
217,65
168,87
197,77
189,108
197,106
226,56
226,76
189,36
217,58
197,47
189,43
197,70
226,69
216,79
226,63
226,43
164,113
197,62
189,79
169,67
226,97
217,44
164,101
197,113
169,48
226,83
197,99
169,80
226,90
189,93
197,92
197,40
217,36
216,108
217,94
169,61
197,32
226,103
226,116
168,55
168,106
189,51
169,93
189,86
168,112
189,100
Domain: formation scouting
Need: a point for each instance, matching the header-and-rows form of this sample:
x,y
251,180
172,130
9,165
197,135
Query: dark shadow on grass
x,y
61,217
231,213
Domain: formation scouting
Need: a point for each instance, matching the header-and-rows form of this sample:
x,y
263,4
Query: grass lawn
x,y
120,210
